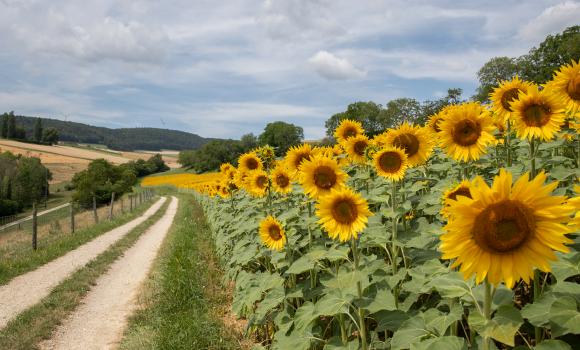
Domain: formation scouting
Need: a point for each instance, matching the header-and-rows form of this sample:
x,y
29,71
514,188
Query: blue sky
x,y
226,68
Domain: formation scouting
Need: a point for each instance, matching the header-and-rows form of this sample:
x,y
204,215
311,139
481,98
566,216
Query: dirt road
x,y
28,289
99,322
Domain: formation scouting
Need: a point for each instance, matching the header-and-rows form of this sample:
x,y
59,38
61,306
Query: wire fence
x,y
69,218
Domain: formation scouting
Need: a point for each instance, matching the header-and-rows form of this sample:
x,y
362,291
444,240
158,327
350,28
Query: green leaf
x,y
335,343
389,320
442,343
303,264
304,315
442,321
538,312
564,316
332,304
504,325
384,300
553,345
411,331
346,281
292,341
452,285
567,265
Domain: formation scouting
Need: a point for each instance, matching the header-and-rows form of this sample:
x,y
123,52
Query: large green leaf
x,y
389,320
502,327
442,343
331,304
383,300
335,343
567,265
553,345
538,312
564,316
452,285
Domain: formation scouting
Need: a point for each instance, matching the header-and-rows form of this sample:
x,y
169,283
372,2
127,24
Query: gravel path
x,y
28,289
99,322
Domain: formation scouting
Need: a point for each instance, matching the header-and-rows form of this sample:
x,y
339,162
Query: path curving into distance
x,y
101,318
30,288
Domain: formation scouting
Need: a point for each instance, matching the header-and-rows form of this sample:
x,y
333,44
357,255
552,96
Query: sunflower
x,y
249,161
281,181
225,168
505,231
343,214
575,203
466,131
537,114
320,175
257,183
414,140
223,190
356,147
391,162
272,233
436,119
296,155
566,86
347,129
450,196
503,95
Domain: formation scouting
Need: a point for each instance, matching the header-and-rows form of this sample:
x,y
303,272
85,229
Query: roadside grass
x,y
17,257
38,322
183,303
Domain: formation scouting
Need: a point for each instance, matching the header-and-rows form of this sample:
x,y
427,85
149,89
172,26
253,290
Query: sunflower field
x,y
462,233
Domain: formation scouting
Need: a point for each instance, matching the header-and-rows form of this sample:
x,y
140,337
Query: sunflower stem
x,y
487,312
532,158
394,246
343,334
508,144
361,313
537,294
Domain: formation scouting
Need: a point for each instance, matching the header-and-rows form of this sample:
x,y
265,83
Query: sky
x,y
227,68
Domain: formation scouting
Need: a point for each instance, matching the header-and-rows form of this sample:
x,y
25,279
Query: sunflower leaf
x,y
564,316
442,343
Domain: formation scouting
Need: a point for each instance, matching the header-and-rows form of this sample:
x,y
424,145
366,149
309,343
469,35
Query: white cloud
x,y
331,67
552,20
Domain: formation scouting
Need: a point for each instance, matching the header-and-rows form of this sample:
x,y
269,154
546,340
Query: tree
x,y
38,130
430,108
31,181
248,141
281,136
4,126
492,73
50,136
540,63
400,110
368,113
100,180
11,125
211,155
158,163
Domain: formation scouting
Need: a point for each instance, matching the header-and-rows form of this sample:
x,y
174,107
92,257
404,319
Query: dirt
x,y
99,322
30,288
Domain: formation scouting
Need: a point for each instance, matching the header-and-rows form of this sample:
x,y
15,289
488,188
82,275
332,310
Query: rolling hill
x,y
126,139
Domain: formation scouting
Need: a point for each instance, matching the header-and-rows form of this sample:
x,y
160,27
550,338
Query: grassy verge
x,y
16,259
183,303
38,322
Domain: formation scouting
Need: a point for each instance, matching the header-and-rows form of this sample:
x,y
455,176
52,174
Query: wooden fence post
x,y
111,206
72,218
131,203
34,226
95,209
122,205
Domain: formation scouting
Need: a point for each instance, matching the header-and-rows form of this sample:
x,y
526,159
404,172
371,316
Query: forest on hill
x,y
126,139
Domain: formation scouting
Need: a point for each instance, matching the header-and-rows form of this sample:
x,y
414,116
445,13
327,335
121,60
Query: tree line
x,y
9,129
23,181
101,179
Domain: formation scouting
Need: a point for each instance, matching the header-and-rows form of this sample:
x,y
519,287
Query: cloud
x,y
334,68
552,20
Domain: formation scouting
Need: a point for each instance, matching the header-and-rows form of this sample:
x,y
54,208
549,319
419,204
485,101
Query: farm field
x,y
459,233
65,161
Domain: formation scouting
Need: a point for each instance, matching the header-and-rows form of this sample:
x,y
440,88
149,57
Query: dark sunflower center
x,y
349,132
262,181
344,211
300,158
508,97
408,142
461,191
537,115
324,177
233,186
274,232
390,162
282,180
503,227
252,164
573,88
466,132
359,147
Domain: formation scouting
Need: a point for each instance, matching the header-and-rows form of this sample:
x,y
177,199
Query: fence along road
x,y
28,289
28,218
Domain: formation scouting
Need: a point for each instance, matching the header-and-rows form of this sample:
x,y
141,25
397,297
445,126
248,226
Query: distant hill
x,y
128,139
